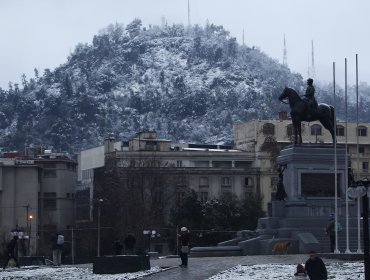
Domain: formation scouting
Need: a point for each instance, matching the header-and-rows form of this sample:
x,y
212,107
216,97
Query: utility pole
x,y
28,227
99,212
189,13
313,62
27,209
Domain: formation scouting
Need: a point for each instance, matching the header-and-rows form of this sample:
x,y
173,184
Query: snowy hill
x,y
188,84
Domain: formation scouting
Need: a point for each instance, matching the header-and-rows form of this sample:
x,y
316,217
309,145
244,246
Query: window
x,y
180,196
203,196
150,146
181,181
340,130
226,181
316,129
274,182
50,200
248,182
362,131
226,189
157,197
365,165
289,130
268,129
361,149
203,181
179,163
50,173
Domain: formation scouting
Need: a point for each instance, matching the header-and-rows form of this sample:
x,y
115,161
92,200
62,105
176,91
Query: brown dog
x,y
281,247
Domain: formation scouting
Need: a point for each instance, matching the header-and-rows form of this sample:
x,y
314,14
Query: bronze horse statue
x,y
324,113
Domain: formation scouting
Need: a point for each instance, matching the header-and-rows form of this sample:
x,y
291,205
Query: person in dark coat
x,y
130,242
184,246
117,247
11,252
330,231
316,268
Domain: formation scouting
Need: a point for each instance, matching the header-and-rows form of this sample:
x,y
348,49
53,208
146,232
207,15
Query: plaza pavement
x,y
203,268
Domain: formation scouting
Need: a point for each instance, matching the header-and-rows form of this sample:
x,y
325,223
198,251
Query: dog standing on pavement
x,y
281,247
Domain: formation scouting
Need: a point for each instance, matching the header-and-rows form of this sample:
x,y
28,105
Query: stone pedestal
x,y
309,179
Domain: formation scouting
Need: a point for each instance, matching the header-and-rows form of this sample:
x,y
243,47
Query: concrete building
x,y
207,169
265,139
36,197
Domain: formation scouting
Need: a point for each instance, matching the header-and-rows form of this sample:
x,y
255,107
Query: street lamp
x,y
361,189
30,217
150,233
100,201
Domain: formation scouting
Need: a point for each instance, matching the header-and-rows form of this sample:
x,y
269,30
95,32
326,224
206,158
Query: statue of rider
x,y
310,98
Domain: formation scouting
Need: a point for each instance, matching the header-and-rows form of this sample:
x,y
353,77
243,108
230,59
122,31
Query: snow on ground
x,y
69,273
338,271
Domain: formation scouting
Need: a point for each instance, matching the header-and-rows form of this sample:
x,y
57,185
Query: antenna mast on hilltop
x,y
285,58
188,12
313,72
243,38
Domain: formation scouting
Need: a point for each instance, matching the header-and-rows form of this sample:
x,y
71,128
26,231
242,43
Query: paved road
x,y
203,268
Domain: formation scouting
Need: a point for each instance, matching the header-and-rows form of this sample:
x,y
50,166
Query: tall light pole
x,y
29,218
100,201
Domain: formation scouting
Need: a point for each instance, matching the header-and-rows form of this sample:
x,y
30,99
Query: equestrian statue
x,y
308,110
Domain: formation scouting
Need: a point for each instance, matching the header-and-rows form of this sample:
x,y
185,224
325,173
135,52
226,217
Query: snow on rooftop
x,y
209,150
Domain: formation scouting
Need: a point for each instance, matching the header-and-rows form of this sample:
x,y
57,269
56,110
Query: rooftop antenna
x,y
285,59
188,12
313,61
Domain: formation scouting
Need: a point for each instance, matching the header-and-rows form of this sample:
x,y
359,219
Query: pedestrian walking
x,y
315,267
130,242
57,246
12,252
330,230
184,246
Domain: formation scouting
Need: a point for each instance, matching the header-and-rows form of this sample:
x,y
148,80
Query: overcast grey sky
x,y
41,33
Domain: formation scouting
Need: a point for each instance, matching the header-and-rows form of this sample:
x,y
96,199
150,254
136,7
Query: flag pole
x,y
359,251
336,251
348,251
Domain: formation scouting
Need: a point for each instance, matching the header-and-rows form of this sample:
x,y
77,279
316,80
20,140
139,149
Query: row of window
x,y
316,129
225,181
203,196
50,199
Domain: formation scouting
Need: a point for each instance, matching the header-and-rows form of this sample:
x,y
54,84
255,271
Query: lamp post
x,y
100,201
361,189
30,217
150,233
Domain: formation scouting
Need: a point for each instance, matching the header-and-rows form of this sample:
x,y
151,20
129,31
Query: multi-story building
x,y
207,169
36,196
265,139
168,171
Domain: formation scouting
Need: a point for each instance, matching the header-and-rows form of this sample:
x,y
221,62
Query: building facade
x,y
163,173
265,139
36,198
